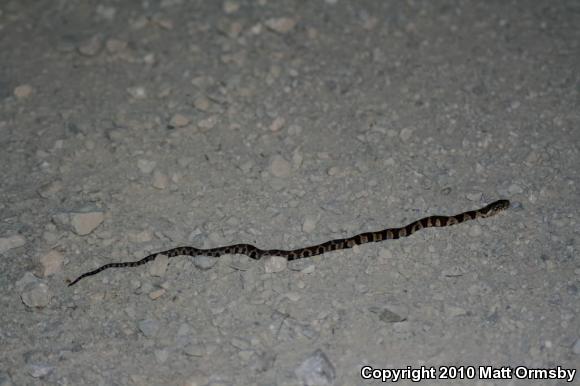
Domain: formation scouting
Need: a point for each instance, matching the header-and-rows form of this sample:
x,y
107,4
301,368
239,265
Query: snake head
x,y
495,207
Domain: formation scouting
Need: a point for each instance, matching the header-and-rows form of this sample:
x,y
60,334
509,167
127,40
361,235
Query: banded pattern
x,y
332,245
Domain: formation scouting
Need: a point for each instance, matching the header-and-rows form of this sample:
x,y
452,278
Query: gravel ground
x,y
130,127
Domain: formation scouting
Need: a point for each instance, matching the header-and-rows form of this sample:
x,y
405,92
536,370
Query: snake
x,y
332,245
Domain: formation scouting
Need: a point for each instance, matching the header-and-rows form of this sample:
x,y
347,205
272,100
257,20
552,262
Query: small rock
x,y
247,166
23,91
208,123
146,166
389,315
277,124
160,180
194,350
453,311
308,269
406,134
51,189
309,225
473,196
281,25
246,355
292,296
333,171
297,158
91,47
204,262
148,327
138,92
201,103
51,263
159,266
179,120
275,264
316,370
280,167
86,220
36,295
11,242
576,347
230,7
515,189
39,370
162,355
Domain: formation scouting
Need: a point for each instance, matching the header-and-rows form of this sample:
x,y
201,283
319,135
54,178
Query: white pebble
x,y
308,269
86,220
11,242
51,263
316,370
274,264
159,265
36,295
138,92
280,167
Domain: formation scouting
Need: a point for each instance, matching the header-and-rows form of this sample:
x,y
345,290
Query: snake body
x,y
332,245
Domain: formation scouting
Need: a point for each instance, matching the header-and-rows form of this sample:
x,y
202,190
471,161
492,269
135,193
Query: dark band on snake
x,y
332,245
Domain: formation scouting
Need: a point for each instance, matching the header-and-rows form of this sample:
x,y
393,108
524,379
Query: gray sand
x,y
132,127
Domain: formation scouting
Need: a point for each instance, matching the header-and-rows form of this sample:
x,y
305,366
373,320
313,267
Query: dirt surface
x,y
130,127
